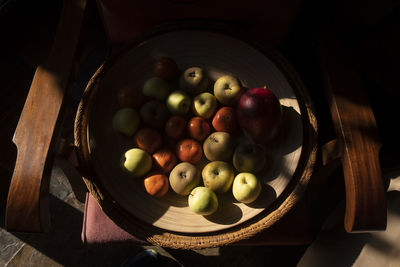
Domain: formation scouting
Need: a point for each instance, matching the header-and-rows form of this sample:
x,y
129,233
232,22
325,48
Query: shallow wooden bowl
x,y
168,221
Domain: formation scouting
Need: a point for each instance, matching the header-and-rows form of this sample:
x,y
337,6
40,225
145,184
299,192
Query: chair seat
x,y
294,229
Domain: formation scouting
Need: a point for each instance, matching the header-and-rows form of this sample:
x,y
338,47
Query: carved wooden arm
x,y
357,138
37,131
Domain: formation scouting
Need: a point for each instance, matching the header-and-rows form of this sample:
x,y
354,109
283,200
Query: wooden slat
x,y
358,135
38,126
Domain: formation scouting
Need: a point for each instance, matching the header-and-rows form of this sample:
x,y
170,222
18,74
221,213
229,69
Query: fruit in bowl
x,y
225,120
259,114
166,68
218,176
130,97
204,105
156,184
175,127
198,128
249,158
126,121
156,87
183,178
163,160
189,150
227,90
203,201
193,81
218,146
154,114
178,103
136,162
148,139
246,187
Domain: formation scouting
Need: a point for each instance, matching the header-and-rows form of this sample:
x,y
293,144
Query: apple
x,y
126,121
130,97
166,68
157,88
175,127
189,150
225,120
183,178
218,176
227,90
163,160
148,139
193,81
156,184
218,146
259,114
246,187
154,114
249,158
203,201
136,162
204,105
198,128
178,102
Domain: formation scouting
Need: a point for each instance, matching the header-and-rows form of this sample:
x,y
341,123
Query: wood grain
x,y
358,137
38,127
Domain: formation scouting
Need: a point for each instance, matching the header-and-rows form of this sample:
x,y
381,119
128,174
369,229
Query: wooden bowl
x,y
168,221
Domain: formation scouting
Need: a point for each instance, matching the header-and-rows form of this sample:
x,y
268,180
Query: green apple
x,y
249,158
246,187
227,90
193,81
183,178
204,105
156,87
155,114
136,162
178,102
218,176
203,201
218,146
126,121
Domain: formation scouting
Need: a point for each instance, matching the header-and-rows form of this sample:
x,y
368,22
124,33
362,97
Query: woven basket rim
x,y
164,238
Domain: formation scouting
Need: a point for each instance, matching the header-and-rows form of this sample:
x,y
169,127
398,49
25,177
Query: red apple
x,y
198,128
148,139
189,150
166,68
175,127
130,97
259,115
164,160
225,120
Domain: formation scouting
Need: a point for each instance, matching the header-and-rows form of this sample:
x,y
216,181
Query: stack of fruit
x,y
177,131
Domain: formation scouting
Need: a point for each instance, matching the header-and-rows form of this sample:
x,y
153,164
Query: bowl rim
x,y
161,237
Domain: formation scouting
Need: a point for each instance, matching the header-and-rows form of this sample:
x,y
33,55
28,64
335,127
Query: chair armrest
x,y
39,124
357,134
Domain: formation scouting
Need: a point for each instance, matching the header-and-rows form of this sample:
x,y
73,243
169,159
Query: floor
x,y
21,51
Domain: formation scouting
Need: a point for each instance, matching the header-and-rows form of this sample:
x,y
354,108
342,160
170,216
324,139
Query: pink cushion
x,y
293,229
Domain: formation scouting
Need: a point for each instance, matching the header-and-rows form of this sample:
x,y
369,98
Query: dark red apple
x,y
259,114
166,68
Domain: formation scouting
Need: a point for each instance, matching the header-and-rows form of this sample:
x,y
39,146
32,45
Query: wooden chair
x,y
356,148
